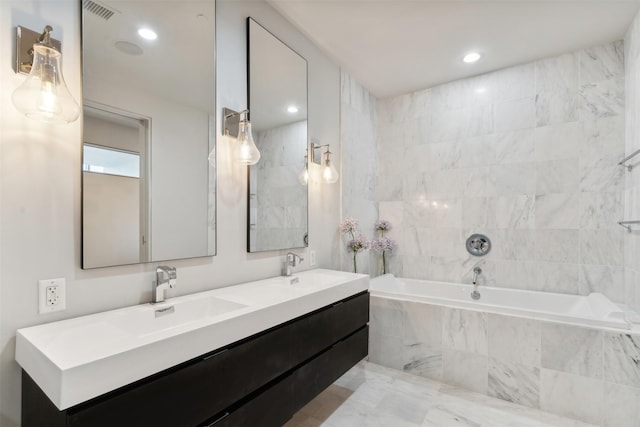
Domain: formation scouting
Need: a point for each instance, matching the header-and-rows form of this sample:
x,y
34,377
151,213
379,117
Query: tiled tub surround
x,y
527,155
589,374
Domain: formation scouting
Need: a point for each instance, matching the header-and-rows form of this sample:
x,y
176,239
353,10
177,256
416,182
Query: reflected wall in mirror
x,y
278,109
148,190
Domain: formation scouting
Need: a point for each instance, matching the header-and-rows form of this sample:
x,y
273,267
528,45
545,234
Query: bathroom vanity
x,y
270,348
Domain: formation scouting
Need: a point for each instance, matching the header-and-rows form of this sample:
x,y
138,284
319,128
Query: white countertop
x,y
77,359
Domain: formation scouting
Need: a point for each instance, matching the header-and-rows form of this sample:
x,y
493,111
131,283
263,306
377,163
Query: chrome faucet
x,y
477,271
291,261
165,279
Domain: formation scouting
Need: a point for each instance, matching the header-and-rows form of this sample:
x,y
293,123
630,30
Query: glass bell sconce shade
x,y
303,177
44,94
329,172
246,151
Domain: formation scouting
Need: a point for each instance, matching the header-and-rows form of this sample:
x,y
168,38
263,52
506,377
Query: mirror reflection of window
x,y
110,161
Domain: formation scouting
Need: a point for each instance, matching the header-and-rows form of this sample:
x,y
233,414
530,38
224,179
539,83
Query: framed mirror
x,y
148,188
277,92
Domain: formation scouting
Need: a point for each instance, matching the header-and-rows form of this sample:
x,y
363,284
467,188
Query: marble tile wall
x,y
588,374
280,216
359,172
632,178
527,155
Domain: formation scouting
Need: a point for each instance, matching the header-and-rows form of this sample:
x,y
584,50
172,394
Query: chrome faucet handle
x,y
291,259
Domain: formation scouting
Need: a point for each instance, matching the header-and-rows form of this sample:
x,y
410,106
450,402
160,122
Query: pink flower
x,y
358,244
382,244
382,225
349,225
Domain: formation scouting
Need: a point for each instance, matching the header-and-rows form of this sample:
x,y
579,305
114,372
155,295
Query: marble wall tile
x,y
479,212
572,396
622,358
387,317
602,62
462,93
514,382
466,370
600,210
516,274
512,244
557,107
555,277
572,349
604,279
515,179
557,176
557,211
422,324
557,245
602,99
514,146
622,406
464,330
604,247
558,141
462,123
515,114
514,339
557,73
514,83
422,360
385,350
515,212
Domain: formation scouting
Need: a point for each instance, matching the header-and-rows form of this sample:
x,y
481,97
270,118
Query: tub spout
x,y
476,294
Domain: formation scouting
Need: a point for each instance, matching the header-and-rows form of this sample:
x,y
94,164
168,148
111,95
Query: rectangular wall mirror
x,y
148,188
277,93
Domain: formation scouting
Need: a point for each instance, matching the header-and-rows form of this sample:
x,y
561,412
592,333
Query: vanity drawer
x,y
191,394
324,328
320,372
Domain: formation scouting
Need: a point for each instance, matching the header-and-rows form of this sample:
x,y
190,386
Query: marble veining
x,y
514,383
622,359
572,349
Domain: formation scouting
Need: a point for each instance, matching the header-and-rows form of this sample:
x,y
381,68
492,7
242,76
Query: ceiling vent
x,y
98,9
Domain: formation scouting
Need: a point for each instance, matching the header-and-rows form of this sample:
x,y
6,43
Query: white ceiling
x,y
400,46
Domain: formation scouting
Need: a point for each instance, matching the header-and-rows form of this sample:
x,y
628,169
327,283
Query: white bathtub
x,y
593,310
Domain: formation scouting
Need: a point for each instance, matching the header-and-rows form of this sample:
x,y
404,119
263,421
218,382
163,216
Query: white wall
x,y
40,186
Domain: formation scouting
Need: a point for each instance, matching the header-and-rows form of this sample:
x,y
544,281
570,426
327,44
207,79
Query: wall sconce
x,y
329,173
44,95
235,126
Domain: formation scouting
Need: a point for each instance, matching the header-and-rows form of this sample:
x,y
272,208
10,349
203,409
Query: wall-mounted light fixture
x,y
236,125
44,94
329,172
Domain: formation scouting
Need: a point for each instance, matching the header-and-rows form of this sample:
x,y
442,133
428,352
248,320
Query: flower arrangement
x,y
358,242
383,244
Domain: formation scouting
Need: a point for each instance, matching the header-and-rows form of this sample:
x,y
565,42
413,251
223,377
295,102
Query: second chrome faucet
x,y
165,278
290,261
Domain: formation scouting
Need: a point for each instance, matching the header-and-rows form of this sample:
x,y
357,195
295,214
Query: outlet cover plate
x,y
59,289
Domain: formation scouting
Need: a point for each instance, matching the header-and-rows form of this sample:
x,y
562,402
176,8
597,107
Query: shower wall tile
x,y
604,279
572,396
602,63
514,383
572,349
531,161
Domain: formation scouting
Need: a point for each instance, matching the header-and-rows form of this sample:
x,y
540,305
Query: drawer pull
x,y
226,414
337,304
215,354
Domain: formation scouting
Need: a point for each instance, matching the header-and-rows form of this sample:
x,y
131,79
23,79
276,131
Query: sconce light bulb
x,y
329,173
246,151
303,178
44,95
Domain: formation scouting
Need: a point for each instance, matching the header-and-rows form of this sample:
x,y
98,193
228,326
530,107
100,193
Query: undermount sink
x,y
77,359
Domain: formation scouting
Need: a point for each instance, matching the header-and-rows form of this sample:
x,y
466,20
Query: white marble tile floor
x,y
372,395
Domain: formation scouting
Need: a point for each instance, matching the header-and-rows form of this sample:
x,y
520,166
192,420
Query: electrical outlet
x,y
312,258
51,295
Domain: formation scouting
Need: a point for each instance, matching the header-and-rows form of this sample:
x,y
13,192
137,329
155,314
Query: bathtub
x,y
594,310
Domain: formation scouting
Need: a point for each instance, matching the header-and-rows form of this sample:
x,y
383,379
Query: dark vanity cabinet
x,y
261,380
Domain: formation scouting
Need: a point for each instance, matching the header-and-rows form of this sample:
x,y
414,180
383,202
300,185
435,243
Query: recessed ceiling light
x,y
148,34
128,48
292,109
471,57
